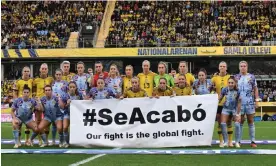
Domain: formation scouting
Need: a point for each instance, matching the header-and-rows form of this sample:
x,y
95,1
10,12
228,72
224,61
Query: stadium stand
x,y
45,24
204,23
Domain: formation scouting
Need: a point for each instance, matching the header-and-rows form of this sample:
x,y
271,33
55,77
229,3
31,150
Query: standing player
x,y
127,79
161,70
52,113
162,89
231,106
100,92
18,92
81,79
24,107
183,69
114,81
134,91
65,67
146,78
182,88
38,91
99,73
220,81
59,87
72,94
202,85
249,98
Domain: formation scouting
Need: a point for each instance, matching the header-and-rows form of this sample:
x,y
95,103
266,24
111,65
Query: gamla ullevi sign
x,y
144,122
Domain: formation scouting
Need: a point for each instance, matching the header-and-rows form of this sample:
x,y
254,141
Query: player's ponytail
x,y
26,88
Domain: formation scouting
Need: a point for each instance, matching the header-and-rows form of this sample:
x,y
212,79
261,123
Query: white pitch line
x,y
90,159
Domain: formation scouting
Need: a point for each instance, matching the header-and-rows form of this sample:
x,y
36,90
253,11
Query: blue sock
x,y
15,136
252,132
43,136
237,132
66,137
33,135
224,132
54,132
60,138
241,132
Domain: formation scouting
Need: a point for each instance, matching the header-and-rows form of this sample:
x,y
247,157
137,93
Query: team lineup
x,y
49,98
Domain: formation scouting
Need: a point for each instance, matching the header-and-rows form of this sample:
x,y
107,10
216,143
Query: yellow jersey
x,y
167,92
126,83
19,85
190,79
186,91
130,94
68,77
39,84
220,82
147,82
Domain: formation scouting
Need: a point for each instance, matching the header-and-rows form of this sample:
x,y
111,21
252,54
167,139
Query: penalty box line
x,y
90,159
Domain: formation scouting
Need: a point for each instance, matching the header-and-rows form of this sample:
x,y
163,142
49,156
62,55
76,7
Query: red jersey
x,y
96,77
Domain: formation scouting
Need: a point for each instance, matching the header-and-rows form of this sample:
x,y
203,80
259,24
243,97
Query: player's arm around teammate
x,y
134,91
24,107
231,107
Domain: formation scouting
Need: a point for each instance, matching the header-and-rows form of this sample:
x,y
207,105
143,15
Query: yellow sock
x,y
220,135
27,134
230,133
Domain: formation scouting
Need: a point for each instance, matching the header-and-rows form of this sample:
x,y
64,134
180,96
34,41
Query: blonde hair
x,y
43,65
243,62
117,73
146,61
64,62
162,63
130,66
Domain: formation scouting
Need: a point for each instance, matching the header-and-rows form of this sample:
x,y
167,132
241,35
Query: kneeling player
x,y
182,88
24,107
134,91
162,89
52,113
231,106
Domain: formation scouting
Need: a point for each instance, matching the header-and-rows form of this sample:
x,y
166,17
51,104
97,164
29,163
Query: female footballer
x,y
134,91
127,79
162,89
182,88
52,113
249,99
24,107
72,94
202,86
100,92
114,81
231,106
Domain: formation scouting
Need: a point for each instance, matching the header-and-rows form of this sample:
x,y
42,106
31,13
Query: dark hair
x,y
163,79
48,86
202,70
26,88
73,82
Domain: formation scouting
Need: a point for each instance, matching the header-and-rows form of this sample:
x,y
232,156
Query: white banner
x,y
143,122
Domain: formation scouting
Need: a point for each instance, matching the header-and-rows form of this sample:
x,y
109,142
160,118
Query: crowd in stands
x,y
45,24
192,23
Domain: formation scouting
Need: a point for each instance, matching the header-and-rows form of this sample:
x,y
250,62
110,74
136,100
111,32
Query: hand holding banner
x,y
143,122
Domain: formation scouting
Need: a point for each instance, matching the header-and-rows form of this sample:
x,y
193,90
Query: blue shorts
x,y
51,120
248,109
25,121
226,111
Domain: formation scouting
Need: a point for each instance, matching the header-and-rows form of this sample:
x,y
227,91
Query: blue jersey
x,y
65,97
246,85
59,87
202,88
24,109
51,107
117,81
231,98
106,93
82,82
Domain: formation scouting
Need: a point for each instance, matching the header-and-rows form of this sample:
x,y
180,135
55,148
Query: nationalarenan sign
x,y
144,122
